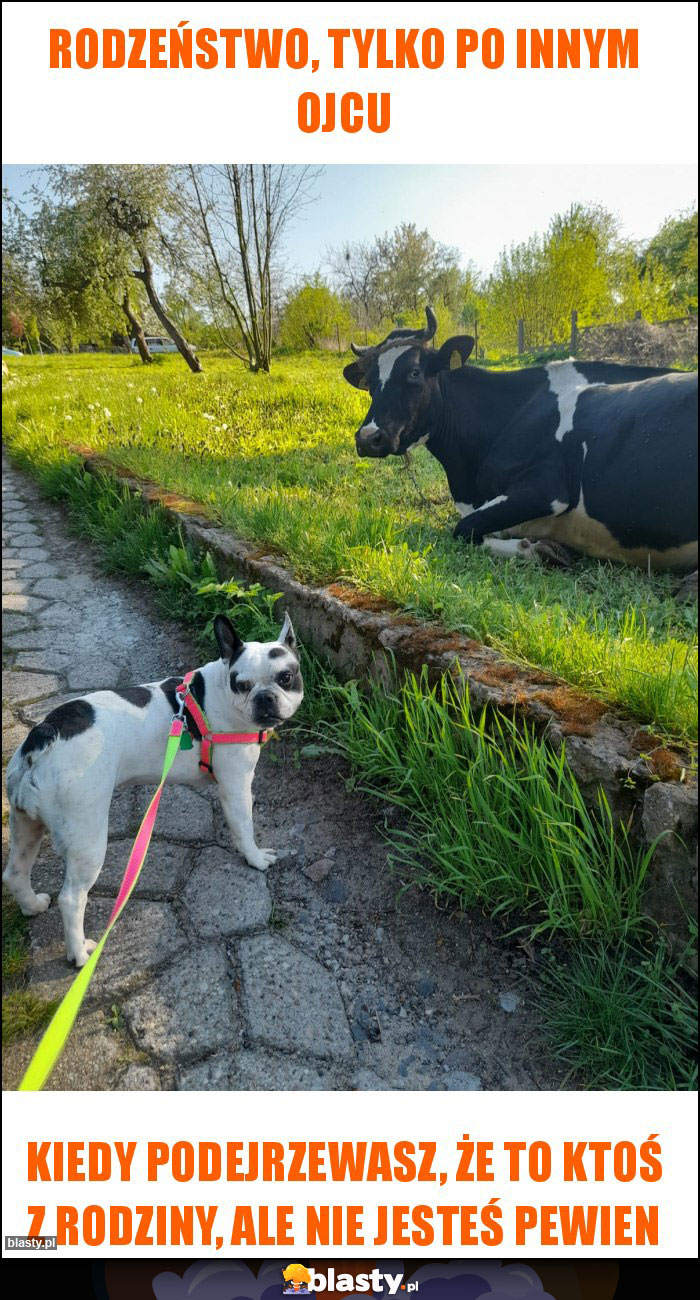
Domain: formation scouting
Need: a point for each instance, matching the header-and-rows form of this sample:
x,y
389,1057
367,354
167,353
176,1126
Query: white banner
x,y
546,83
442,1175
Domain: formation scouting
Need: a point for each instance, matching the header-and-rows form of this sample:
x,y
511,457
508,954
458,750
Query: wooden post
x,y
521,337
337,334
638,315
573,341
476,336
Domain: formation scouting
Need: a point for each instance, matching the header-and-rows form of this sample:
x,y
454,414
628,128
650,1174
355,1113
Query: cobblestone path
x,y
318,974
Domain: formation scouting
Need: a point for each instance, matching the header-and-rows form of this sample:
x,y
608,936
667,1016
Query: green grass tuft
x,y
623,1017
24,1013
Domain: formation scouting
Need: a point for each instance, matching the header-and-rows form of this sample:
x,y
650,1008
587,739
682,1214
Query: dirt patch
x,y
357,599
577,714
664,765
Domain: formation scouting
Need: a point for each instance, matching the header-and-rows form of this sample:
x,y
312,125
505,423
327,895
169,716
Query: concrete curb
x,y
654,795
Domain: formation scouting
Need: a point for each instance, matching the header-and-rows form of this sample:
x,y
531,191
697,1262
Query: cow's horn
x,y
361,352
431,328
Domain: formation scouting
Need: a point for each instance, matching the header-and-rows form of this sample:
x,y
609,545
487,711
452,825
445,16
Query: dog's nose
x,y
370,441
266,700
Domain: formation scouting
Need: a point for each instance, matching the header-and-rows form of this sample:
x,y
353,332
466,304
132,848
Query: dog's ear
x,y
286,636
227,638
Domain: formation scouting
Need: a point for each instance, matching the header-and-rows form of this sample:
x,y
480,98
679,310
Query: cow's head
x,y
401,375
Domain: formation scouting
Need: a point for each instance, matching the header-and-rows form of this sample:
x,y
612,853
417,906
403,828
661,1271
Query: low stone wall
x,y
648,784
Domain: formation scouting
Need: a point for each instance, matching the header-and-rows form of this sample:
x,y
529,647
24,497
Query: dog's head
x,y
264,676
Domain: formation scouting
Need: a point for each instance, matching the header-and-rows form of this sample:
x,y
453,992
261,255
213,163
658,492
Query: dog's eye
x,y
241,686
285,679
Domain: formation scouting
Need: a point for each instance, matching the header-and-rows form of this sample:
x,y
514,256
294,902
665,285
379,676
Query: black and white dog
x,y
62,777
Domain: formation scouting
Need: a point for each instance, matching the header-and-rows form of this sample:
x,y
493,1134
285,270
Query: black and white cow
x,y
599,457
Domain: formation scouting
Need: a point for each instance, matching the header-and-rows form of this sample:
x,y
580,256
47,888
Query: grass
x,y
23,1012
497,819
272,457
493,819
624,1017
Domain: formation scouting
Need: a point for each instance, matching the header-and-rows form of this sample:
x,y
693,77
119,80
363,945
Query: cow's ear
x,y
356,374
453,353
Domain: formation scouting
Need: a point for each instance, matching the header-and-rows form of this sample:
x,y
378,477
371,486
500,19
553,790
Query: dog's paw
x,y
262,859
88,947
38,904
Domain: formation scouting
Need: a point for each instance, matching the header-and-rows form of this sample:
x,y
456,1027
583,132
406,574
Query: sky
x,y
479,209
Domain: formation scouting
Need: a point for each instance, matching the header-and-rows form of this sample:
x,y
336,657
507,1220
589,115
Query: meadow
x,y
272,457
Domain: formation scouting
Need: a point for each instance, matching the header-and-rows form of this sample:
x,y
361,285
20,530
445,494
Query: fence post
x,y
476,336
521,337
638,315
573,341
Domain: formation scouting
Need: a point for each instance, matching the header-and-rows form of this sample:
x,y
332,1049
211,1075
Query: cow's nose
x,y
369,440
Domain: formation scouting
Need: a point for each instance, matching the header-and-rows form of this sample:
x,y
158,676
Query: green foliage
x,y
273,458
674,248
623,1016
314,316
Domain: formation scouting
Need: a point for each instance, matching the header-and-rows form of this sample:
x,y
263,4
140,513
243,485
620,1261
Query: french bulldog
x,y
62,778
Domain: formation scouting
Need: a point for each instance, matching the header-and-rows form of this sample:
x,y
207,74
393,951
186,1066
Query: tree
x,y
674,248
313,316
355,267
541,281
72,274
234,219
129,206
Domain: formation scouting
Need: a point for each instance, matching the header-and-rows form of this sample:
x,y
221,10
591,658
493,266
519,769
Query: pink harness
x,y
209,737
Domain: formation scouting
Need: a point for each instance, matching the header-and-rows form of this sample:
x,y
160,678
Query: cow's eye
x,y
414,374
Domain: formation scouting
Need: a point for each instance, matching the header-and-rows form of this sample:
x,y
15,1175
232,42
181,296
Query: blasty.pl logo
x,y
300,1280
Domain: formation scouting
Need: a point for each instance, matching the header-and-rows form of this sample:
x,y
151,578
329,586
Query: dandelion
x,y
140,401
207,416
107,412
91,406
68,418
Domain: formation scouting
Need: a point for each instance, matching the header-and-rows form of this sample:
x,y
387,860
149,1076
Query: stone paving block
x,y
89,672
122,812
160,875
147,935
27,537
71,589
21,686
183,814
30,554
139,1078
224,898
254,1071
289,998
38,570
21,604
29,639
13,624
189,1010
